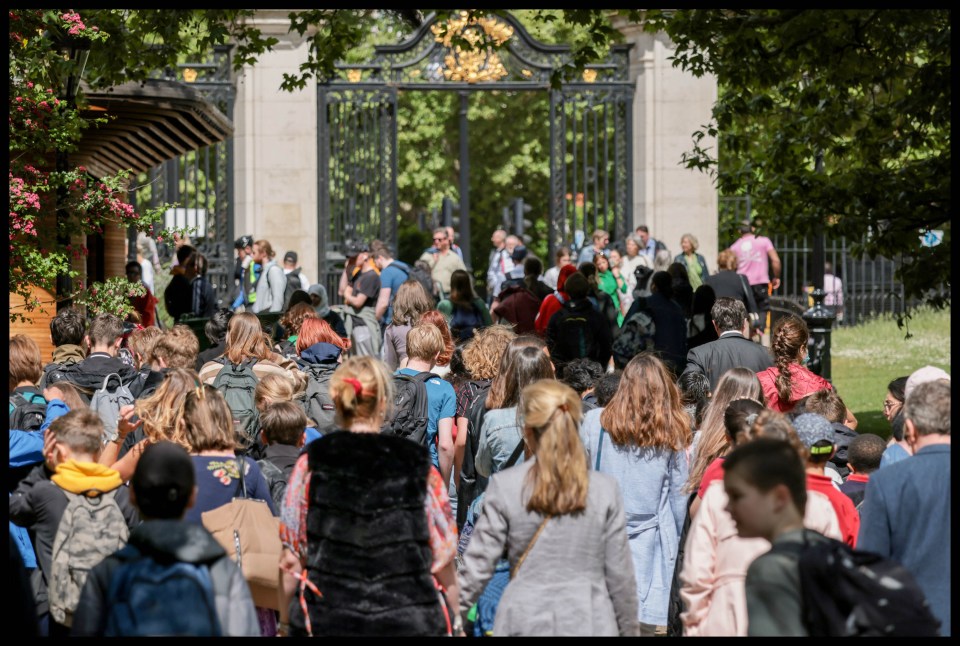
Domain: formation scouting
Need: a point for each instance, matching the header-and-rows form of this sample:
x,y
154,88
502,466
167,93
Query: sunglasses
x,y
439,239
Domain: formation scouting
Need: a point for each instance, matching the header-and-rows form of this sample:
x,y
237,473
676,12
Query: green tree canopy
x,y
869,89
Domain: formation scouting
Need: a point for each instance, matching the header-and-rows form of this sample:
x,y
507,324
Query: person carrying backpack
x,y
172,577
320,349
282,431
27,405
424,345
295,278
77,510
807,584
464,311
577,330
103,338
247,359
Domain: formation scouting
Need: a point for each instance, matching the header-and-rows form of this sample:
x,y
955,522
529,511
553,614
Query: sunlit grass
x,y
867,357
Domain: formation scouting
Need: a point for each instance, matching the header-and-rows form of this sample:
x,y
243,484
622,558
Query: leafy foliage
x,y
866,90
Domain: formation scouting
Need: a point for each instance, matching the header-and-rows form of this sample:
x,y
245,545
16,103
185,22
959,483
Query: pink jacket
x,y
803,382
715,563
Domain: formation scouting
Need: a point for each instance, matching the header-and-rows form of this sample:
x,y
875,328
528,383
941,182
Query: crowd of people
x,y
600,449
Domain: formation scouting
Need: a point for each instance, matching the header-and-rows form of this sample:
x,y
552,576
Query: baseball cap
x,y
163,480
922,376
812,428
242,242
290,256
357,248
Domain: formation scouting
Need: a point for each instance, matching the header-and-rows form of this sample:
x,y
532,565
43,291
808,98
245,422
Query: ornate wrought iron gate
x,y
590,131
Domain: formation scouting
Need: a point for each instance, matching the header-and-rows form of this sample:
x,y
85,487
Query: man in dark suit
x,y
906,506
733,349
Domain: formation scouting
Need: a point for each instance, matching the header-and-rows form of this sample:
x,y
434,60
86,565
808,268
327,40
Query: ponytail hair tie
x,y
357,386
565,408
750,419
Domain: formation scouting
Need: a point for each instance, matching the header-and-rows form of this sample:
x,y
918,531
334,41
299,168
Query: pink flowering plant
x,y
110,297
51,203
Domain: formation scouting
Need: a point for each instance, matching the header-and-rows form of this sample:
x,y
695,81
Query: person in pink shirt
x,y
753,253
788,380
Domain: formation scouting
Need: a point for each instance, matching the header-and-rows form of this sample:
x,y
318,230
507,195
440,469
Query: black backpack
x,y
472,484
293,284
411,412
852,593
27,411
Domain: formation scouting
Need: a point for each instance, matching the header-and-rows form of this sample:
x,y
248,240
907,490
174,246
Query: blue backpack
x,y
464,321
150,598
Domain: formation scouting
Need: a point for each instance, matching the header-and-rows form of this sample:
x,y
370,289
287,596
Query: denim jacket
x,y
498,439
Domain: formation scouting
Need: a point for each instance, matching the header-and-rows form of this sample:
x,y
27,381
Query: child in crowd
x,y
863,458
163,488
282,427
766,486
816,434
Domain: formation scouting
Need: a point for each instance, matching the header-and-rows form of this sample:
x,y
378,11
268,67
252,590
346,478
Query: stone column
x,y
668,106
275,149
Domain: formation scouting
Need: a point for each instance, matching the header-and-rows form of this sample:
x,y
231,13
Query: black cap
x,y
290,256
243,242
163,480
357,248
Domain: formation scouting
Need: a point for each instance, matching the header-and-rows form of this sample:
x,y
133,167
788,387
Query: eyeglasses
x,y
439,239
889,405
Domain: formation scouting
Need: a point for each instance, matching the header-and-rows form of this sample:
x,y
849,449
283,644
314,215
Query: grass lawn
x,y
867,357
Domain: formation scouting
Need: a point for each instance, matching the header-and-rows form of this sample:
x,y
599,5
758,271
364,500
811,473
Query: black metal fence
x,y
868,286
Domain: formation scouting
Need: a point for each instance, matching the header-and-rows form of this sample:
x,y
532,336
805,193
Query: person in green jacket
x,y
610,281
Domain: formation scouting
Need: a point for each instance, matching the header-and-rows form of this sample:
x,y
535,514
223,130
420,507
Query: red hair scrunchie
x,y
357,386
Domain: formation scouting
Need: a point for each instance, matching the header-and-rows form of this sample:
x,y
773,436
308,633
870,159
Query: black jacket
x,y
732,285
211,353
577,330
670,335
90,373
730,351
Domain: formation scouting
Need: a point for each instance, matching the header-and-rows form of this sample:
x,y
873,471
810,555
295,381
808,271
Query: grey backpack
x,y
91,528
317,403
107,400
238,385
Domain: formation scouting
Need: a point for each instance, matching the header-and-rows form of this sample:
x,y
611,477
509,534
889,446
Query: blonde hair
x,y
727,260
646,410
736,383
272,389
162,411
207,421
424,342
482,353
694,243
266,248
361,388
71,395
246,339
559,477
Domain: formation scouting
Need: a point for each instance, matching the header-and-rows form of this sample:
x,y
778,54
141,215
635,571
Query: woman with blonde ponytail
x,y
369,538
562,526
789,381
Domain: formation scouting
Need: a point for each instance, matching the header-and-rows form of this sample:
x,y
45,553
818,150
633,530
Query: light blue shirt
x,y
652,483
441,404
893,454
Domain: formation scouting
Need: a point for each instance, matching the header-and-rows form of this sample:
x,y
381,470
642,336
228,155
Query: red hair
x,y
437,319
562,277
317,330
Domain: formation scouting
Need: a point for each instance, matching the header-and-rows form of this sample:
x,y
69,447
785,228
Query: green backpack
x,y
238,385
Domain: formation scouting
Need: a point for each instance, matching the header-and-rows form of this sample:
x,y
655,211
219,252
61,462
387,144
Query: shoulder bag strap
x,y
523,557
517,452
599,449
241,463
